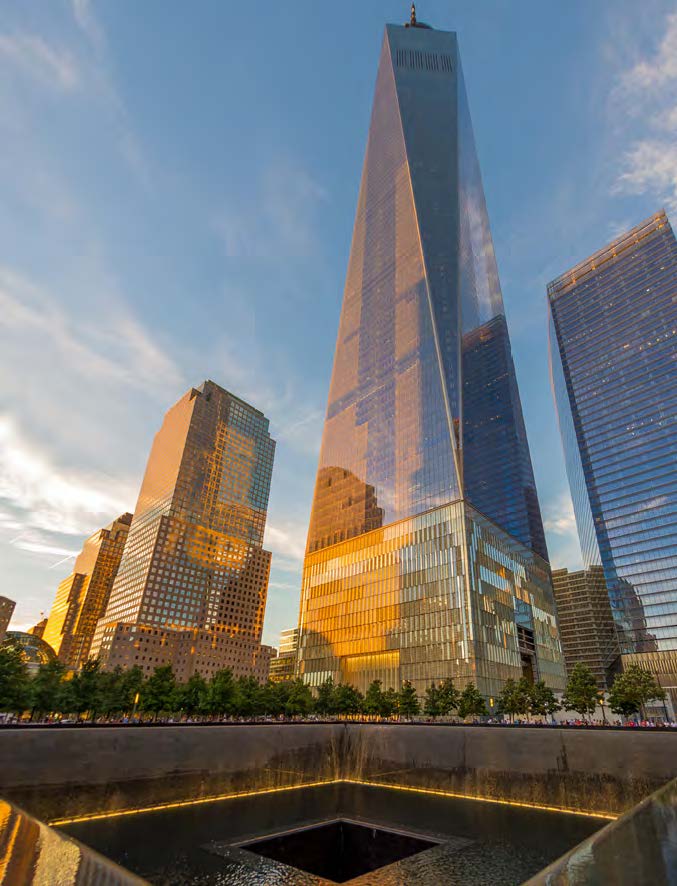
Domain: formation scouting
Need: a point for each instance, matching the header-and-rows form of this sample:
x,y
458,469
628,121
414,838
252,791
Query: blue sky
x,y
178,190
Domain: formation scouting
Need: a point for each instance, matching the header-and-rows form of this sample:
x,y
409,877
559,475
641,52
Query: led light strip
x,y
610,816
200,801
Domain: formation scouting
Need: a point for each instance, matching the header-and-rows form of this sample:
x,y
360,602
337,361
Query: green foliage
x,y
432,705
159,692
542,701
581,691
524,697
347,699
220,698
373,699
471,703
192,696
299,699
632,689
407,700
324,703
86,689
248,700
14,680
510,700
449,697
47,692
390,702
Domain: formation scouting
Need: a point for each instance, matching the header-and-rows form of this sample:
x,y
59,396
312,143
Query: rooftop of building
x,y
613,250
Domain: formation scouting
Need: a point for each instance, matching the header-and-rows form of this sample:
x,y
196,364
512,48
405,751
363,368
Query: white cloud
x,y
288,540
44,496
52,67
87,21
646,98
650,73
113,348
559,515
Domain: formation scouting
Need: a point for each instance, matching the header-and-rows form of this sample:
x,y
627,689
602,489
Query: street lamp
x,y
602,702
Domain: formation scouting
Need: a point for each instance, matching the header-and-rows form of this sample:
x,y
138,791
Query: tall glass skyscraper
x,y
426,555
192,585
81,599
613,357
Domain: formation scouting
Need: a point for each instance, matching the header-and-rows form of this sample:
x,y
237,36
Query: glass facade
x,y
423,405
194,563
81,599
586,625
613,354
443,594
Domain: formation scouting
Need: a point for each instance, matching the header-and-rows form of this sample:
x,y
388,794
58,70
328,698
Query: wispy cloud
x,y
288,540
277,221
45,497
647,94
51,66
559,515
115,348
87,22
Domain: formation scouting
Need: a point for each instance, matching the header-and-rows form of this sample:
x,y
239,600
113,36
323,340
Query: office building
x,y
38,630
82,597
613,358
283,666
426,555
586,626
192,585
6,612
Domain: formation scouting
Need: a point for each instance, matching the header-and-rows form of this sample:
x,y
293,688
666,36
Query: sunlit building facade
x,y
586,626
613,358
426,555
283,666
6,612
82,597
192,585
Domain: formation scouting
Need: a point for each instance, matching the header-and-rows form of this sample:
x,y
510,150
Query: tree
x,y
542,701
390,702
432,703
248,697
220,698
347,699
510,700
192,695
373,699
632,689
47,688
86,689
471,703
159,692
581,691
14,679
407,700
324,703
132,684
449,697
299,700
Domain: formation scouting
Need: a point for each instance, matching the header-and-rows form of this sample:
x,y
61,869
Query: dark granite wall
x,y
57,773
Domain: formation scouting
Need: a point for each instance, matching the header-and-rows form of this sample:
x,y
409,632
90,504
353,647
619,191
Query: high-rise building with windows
x,y
426,556
6,612
192,585
283,666
613,358
81,599
586,626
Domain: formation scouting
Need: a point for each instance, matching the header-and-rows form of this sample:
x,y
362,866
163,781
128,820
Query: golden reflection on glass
x,y
192,584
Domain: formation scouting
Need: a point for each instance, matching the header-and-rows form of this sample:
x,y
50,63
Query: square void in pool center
x,y
339,850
